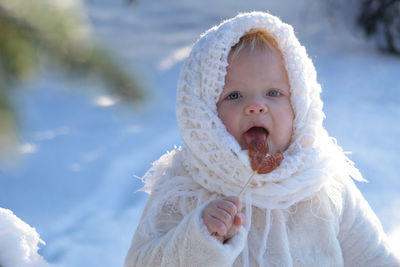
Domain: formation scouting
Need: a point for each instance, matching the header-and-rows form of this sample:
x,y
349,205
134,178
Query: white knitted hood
x,y
214,159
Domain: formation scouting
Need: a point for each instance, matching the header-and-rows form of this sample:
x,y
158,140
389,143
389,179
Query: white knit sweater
x,y
307,212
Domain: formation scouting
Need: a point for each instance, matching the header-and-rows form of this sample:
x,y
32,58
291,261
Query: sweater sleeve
x,y
361,235
186,243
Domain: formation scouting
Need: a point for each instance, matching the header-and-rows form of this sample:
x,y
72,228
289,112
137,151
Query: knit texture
x,y
215,157
289,211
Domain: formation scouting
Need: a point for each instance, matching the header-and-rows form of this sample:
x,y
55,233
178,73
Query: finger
x,y
214,225
227,206
239,220
212,211
223,216
236,201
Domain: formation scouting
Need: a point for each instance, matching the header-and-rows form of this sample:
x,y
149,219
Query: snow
x,y
80,149
19,242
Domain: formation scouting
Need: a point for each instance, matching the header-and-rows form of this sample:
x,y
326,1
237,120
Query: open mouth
x,y
256,137
257,131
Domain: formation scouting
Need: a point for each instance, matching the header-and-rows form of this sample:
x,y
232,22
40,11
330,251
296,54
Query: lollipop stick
x,y
247,183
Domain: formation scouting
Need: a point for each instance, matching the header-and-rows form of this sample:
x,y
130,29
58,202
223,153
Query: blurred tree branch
x,y
33,30
381,19
378,19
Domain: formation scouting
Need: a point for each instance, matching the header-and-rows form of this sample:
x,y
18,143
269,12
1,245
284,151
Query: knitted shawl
x,y
211,159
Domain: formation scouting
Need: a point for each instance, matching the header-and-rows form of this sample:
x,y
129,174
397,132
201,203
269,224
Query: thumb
x,y
239,220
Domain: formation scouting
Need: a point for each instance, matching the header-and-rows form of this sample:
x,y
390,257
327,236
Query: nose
x,y
256,108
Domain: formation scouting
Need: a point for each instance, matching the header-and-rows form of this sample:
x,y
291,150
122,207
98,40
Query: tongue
x,y
256,140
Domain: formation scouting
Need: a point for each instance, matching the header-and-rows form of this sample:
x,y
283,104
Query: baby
x,y
250,78
256,94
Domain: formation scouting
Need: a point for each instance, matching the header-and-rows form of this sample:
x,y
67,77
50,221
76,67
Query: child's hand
x,y
222,217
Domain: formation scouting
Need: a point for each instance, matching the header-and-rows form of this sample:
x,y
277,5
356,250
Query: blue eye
x,y
233,96
274,93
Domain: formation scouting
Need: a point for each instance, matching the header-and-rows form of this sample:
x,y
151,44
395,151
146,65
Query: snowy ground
x,y
74,180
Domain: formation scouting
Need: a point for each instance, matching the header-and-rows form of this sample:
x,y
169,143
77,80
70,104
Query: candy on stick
x,y
256,139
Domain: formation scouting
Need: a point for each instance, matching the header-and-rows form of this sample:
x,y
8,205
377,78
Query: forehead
x,y
257,65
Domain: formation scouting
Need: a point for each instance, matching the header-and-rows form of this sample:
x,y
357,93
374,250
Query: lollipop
x,y
256,139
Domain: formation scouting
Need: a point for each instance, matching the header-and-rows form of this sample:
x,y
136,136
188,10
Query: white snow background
x,y
80,149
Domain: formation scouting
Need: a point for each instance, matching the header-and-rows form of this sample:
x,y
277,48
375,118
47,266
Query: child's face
x,y
257,94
